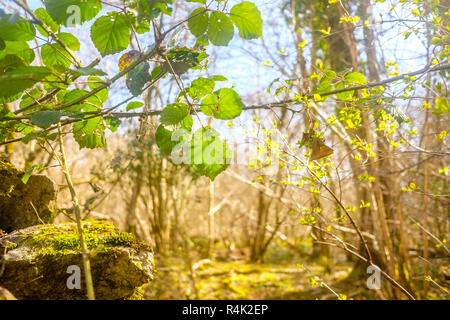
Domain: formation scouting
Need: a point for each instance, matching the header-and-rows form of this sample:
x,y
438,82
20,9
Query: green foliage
x,y
45,118
15,28
90,133
54,55
200,87
174,113
19,79
47,20
110,33
220,29
222,104
137,78
247,18
63,11
134,105
198,24
209,155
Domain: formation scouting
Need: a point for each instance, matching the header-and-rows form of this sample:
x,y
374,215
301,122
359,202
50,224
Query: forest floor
x,y
240,279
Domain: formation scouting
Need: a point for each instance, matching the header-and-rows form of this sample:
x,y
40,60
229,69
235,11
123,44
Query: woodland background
x,y
248,235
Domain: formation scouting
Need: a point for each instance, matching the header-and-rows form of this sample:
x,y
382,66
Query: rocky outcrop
x,y
23,205
41,261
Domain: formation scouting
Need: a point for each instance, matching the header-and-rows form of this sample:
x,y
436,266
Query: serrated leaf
x,y
173,114
220,29
90,133
200,88
47,20
209,155
45,118
247,19
54,55
95,82
223,104
21,78
167,140
16,29
71,12
110,34
69,40
198,24
19,48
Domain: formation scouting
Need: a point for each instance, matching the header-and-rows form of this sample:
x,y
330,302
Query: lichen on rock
x,y
38,258
23,205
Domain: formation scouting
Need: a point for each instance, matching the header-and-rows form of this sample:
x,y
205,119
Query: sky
x,y
242,61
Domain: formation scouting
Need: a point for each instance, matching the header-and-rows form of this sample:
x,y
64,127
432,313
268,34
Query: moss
x,y
64,238
138,294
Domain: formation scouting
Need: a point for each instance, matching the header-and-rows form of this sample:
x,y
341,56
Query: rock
x,y
38,258
17,199
6,295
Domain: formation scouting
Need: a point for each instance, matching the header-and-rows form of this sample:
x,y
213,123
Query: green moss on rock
x,y
38,257
64,238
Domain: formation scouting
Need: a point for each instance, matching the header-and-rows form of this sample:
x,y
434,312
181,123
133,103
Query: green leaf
x,y
200,88
113,124
156,72
199,23
247,19
209,155
223,104
30,171
47,20
88,72
167,140
218,78
71,12
346,95
197,1
95,82
441,106
19,48
220,29
90,133
69,40
182,59
14,28
110,34
46,118
173,114
137,78
134,105
21,78
55,55
356,78
94,102
150,9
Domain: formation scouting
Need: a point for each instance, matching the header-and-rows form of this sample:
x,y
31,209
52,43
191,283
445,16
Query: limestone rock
x,y
6,295
38,258
17,199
